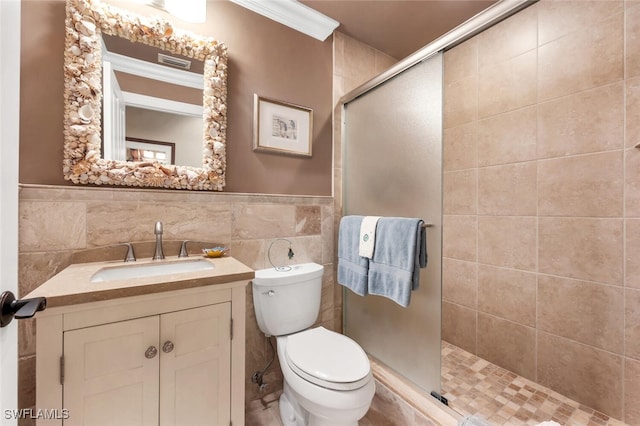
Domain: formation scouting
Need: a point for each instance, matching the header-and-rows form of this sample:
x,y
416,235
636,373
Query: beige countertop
x,y
73,284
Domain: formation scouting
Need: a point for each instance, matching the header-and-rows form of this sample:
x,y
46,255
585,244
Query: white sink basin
x,y
131,270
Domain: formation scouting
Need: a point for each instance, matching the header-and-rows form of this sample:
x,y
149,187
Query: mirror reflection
x,y
114,144
151,96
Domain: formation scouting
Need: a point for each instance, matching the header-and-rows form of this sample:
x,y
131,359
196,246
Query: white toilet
x,y
327,376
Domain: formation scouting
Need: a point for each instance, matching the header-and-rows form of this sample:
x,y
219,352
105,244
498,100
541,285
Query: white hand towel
x,y
368,236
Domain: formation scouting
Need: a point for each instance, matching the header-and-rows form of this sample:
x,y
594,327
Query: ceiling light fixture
x,y
295,15
188,10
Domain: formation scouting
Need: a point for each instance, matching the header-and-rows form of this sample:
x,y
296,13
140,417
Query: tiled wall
x,y
56,222
541,273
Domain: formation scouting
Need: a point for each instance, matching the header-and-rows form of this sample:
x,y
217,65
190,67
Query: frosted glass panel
x,y
393,167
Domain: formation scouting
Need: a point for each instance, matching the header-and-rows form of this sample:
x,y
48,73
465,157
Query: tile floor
x,y
474,386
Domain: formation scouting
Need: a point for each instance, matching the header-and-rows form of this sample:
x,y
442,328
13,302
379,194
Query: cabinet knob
x,y
151,352
167,347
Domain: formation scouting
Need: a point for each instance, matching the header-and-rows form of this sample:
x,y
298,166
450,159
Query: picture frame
x,y
281,127
140,150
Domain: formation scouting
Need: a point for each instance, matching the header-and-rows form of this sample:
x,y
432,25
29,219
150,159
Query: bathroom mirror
x,y
86,21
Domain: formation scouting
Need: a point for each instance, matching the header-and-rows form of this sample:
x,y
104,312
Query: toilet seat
x,y
328,359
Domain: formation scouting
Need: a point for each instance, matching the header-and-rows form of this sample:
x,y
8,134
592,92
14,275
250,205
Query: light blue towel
x,y
399,253
353,269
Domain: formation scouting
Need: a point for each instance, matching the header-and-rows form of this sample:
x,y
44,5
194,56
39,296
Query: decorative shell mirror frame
x,y
82,164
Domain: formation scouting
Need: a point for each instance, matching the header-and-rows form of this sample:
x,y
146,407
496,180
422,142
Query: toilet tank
x,y
287,301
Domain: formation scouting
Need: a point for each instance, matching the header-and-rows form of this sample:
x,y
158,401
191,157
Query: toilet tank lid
x,y
327,355
301,272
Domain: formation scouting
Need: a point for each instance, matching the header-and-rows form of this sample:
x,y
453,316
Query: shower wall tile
x,y
581,248
508,190
559,18
460,104
632,37
633,110
461,62
631,391
509,242
507,85
585,185
508,344
507,138
459,150
459,326
632,182
459,282
515,37
585,312
459,237
632,253
583,373
632,324
589,121
460,192
582,60
508,294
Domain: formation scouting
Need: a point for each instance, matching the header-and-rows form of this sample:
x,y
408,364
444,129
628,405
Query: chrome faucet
x,y
158,231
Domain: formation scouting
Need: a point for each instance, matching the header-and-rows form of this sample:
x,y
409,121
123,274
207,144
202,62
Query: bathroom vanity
x,y
140,346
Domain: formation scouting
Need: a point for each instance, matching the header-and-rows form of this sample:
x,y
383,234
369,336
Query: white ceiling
x,y
398,27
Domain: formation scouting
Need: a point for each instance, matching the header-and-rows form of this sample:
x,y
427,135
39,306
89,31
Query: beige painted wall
x,y
264,58
542,203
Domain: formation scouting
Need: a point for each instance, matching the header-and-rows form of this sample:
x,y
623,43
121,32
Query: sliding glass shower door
x,y
392,166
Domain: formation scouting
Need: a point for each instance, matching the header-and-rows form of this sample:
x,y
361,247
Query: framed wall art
x,y
282,128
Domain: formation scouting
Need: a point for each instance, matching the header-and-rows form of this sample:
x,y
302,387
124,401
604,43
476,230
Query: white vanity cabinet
x,y
169,358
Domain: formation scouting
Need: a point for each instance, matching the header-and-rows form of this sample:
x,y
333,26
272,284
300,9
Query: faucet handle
x,y
131,256
183,249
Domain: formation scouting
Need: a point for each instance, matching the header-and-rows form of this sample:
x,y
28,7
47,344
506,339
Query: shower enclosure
x,y
393,167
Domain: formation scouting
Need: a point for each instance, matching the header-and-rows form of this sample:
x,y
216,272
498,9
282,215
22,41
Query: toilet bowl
x,y
327,376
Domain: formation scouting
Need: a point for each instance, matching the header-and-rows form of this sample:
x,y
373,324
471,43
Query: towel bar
x,y
427,225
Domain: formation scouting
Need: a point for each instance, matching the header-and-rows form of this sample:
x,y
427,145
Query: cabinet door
x,y
195,376
109,380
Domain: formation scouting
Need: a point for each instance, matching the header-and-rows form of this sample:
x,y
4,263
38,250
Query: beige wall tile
x,y
507,241
507,344
632,37
632,128
558,18
512,37
459,326
461,102
383,62
632,182
581,60
460,192
459,237
507,294
250,221
586,312
459,147
631,391
508,190
632,323
508,137
359,60
110,223
461,61
587,375
308,220
328,229
589,121
249,252
27,382
306,249
459,282
507,85
632,253
52,225
585,185
581,248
